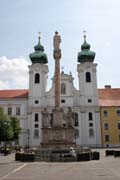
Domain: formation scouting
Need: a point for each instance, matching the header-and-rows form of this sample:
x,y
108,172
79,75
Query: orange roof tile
x,y
9,94
109,97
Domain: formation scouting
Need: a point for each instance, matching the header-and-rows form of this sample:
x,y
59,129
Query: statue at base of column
x,y
45,118
70,118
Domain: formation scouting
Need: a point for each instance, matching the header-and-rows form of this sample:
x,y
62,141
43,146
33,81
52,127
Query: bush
x,y
5,151
25,157
19,156
116,154
110,152
95,155
83,157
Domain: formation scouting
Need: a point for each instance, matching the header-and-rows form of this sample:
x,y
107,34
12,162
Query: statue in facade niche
x,y
56,41
70,117
45,118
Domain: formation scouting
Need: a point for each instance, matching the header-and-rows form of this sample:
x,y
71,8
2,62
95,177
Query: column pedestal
x,y
58,137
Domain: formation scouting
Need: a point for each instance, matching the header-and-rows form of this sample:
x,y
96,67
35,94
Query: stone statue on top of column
x,y
56,41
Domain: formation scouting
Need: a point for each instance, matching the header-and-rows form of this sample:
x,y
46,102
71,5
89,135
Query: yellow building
x,y
109,101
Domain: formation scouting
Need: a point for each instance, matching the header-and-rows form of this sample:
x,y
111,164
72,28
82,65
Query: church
x,y
28,104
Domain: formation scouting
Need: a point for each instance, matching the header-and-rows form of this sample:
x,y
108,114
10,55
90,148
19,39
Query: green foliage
x,y
6,132
25,157
15,127
9,127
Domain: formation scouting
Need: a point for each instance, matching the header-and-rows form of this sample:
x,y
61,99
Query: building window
x,y
9,111
119,125
36,117
37,78
119,138
91,132
63,88
36,133
90,116
76,133
107,138
118,112
90,124
89,100
36,125
36,102
18,111
106,126
88,77
105,113
62,100
76,123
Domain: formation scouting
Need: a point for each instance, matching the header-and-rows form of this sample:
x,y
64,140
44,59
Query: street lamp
x,y
75,135
28,138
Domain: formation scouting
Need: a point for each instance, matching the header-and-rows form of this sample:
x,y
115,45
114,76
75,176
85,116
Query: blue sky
x,y
21,20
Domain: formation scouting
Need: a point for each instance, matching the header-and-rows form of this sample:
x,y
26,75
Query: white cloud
x,y
13,73
4,85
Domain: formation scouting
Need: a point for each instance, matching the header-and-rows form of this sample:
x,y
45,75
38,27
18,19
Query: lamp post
x,y
75,139
28,138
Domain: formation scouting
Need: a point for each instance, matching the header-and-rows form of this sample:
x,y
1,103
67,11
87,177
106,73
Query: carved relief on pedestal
x,y
57,136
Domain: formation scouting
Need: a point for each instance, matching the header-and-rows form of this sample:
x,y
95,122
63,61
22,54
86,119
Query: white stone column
x,y
57,56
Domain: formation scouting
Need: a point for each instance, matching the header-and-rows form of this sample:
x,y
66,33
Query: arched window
x,y
37,78
88,77
36,117
63,88
90,116
76,123
91,132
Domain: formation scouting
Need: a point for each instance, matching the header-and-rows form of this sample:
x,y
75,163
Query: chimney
x,y
107,86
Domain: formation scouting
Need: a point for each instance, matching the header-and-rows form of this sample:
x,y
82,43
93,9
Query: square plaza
x,y
107,168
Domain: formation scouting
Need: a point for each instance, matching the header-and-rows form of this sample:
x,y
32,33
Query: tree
x,y
15,127
9,127
6,132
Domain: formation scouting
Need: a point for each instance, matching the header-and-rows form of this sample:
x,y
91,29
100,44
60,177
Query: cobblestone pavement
x,y
107,168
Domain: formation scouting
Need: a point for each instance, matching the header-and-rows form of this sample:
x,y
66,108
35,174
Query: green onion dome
x,y
38,56
85,55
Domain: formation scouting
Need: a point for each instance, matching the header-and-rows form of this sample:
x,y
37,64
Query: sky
x,y
21,20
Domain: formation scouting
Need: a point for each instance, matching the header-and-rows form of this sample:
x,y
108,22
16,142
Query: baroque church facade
x,y
28,104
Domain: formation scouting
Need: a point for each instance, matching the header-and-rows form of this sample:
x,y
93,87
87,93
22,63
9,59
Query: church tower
x,y
38,71
88,101
38,75
87,75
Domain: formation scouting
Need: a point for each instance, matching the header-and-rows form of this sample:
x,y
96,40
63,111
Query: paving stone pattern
x,y
107,168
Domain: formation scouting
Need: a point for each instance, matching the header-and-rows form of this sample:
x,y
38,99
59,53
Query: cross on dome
x,y
84,35
39,36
